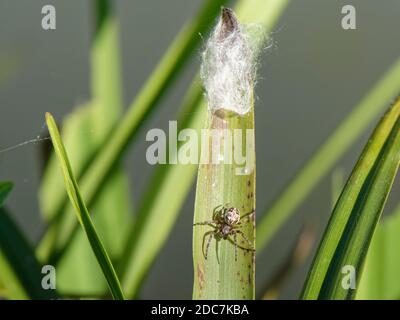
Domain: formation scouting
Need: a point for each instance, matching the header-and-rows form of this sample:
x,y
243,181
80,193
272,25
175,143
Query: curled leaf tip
x,y
229,67
229,23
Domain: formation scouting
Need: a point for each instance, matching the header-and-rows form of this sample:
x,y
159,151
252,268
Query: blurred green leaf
x,y
334,147
354,218
95,123
10,285
82,212
380,278
20,273
112,209
5,188
160,204
83,132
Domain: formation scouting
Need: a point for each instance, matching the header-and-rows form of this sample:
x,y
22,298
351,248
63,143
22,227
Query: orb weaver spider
x,y
226,222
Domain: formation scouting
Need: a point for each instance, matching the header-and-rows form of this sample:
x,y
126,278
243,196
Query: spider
x,y
226,222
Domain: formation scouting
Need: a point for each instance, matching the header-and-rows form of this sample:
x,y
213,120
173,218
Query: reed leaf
x,y
325,157
82,212
348,234
379,279
20,275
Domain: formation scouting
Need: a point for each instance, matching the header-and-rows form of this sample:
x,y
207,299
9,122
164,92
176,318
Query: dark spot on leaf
x,y
200,277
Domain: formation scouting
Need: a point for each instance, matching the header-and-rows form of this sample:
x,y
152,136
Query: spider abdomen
x,y
226,230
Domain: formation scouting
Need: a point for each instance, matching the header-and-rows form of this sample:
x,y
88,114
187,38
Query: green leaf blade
x,y
223,275
20,272
83,132
379,279
353,221
328,154
5,188
82,212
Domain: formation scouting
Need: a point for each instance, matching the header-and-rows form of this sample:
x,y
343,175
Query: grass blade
x,y
18,263
327,155
5,188
82,212
20,273
160,206
83,133
112,212
220,276
379,279
337,184
10,286
353,221
217,184
96,118
228,271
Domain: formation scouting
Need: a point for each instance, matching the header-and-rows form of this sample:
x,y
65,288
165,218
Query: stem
x,y
225,274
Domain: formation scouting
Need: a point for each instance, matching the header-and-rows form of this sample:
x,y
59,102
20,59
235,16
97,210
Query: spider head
x,y
232,216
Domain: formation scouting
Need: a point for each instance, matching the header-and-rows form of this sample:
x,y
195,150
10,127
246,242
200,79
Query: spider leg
x,y
216,249
248,213
205,223
211,233
239,246
235,243
216,210
243,236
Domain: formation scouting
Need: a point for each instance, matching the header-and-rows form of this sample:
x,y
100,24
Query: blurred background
x,y
311,77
